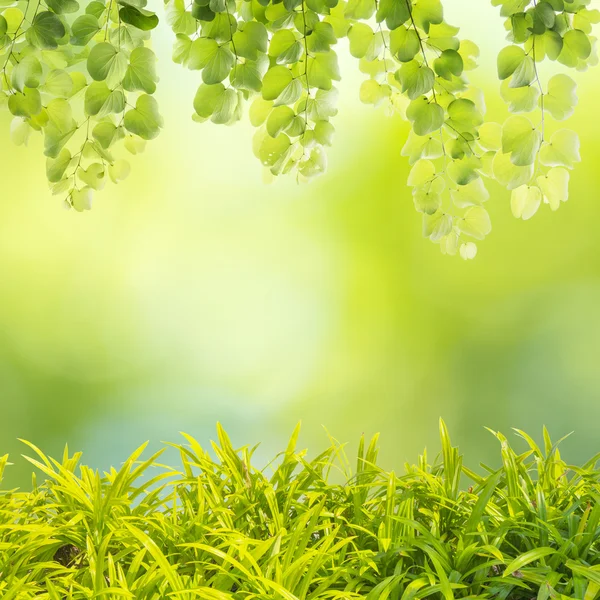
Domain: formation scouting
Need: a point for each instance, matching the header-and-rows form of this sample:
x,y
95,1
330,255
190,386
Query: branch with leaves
x,y
85,78
532,163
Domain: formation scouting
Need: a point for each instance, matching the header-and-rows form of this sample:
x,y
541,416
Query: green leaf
x,y
179,19
519,100
141,72
483,500
246,76
138,17
101,100
324,104
416,79
200,52
84,29
223,26
490,136
63,6
276,79
285,48
527,557
422,147
469,52
524,74
576,47
590,573
464,117
471,194
45,30
20,131
94,176
422,172
105,132
58,83
394,12
360,9
561,99
216,102
436,225
82,199
524,203
428,12
372,92
543,16
181,49
443,37
27,73
105,62
324,132
321,38
218,65
554,186
464,171
95,8
206,99
322,69
508,174
279,119
521,140
476,223
144,120
60,114
562,150
360,37
427,201
585,18
509,60
119,170
251,40
290,93
272,150
448,64
404,44
25,104
425,116
56,167
468,251
56,137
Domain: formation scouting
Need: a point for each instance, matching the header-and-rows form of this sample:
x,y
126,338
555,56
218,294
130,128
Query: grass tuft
x,y
219,528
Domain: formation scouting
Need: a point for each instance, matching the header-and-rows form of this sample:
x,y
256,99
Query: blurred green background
x,y
193,292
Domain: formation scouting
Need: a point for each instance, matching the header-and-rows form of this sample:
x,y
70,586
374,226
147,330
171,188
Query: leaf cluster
x,y
219,527
87,74
83,76
529,161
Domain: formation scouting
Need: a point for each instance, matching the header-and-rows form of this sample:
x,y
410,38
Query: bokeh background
x,y
194,293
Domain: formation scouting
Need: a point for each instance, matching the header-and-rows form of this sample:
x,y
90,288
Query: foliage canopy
x,y
220,528
84,76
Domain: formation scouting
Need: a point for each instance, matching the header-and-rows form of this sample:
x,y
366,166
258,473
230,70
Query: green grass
x,y
217,527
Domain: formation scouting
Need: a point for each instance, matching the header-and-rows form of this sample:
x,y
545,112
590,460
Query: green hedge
x,y
217,527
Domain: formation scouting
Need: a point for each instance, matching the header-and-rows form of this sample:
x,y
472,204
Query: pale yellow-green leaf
x,y
468,251
422,172
554,186
561,99
525,201
475,223
562,150
508,174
